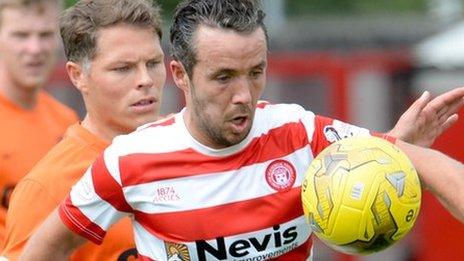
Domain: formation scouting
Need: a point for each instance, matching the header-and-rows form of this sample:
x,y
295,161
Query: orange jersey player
x,y
120,73
46,186
25,137
32,122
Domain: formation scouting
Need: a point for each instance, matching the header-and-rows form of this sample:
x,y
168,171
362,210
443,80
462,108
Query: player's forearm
x,y
52,241
440,174
37,249
42,247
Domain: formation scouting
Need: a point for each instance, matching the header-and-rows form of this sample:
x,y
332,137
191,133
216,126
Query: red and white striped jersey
x,y
191,202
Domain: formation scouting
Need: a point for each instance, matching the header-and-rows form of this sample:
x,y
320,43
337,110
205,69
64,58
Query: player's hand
x,y
427,119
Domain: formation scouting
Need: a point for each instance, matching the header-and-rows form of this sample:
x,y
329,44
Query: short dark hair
x,y
79,25
243,16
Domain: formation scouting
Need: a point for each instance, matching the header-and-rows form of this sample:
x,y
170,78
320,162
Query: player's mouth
x,y
240,124
34,67
144,105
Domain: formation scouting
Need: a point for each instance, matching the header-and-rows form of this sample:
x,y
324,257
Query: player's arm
x,y
52,241
426,119
440,174
92,206
19,227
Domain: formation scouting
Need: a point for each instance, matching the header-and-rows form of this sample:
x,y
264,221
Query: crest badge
x,y
280,175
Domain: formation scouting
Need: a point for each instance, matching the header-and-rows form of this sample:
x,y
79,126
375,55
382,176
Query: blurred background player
x,y
225,143
31,121
115,60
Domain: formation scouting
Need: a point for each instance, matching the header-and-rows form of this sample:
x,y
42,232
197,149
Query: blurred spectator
x,y
32,121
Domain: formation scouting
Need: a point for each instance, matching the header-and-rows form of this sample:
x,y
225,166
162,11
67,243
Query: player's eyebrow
x,y
261,65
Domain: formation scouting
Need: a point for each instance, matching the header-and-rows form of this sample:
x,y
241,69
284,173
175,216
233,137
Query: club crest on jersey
x,y
280,175
176,252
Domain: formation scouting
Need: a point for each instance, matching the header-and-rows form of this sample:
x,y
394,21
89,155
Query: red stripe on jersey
x,y
319,142
76,221
107,188
300,253
143,167
224,220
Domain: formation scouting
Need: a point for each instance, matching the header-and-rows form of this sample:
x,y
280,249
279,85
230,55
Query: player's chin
x,y
32,82
235,138
146,118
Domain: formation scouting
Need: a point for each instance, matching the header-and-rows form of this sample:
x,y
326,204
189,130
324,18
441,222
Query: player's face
x,y
124,85
28,44
227,81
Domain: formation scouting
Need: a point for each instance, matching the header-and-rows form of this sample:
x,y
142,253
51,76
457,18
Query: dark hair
x,y
243,16
80,24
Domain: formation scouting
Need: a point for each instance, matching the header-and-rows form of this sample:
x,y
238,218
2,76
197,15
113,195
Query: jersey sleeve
x,y
96,202
320,131
326,131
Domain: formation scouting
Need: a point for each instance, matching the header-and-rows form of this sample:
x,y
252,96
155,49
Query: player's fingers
x,y
449,122
448,98
452,96
422,102
451,108
417,106
429,115
455,94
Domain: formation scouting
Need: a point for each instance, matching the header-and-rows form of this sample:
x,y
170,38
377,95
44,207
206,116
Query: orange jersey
x,y
25,137
45,187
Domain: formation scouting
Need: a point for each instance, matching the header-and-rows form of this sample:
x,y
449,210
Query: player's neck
x,y
23,97
102,131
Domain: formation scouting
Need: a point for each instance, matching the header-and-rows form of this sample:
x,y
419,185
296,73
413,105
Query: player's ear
x,y
179,75
77,75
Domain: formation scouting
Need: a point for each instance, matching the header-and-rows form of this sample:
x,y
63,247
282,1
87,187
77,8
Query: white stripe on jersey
x,y
216,188
112,164
275,115
148,244
83,194
264,244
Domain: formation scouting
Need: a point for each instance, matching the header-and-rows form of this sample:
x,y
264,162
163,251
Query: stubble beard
x,y
206,124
